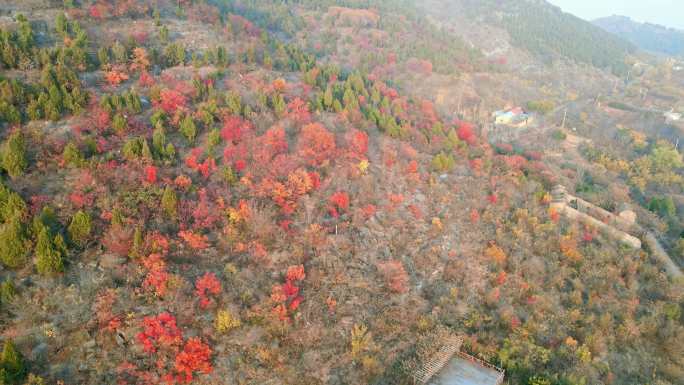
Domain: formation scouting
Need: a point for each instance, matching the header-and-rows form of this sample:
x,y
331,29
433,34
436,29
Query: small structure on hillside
x,y
514,117
672,116
450,366
616,226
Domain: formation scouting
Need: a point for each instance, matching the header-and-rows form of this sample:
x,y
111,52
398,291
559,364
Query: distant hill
x,y
650,37
544,30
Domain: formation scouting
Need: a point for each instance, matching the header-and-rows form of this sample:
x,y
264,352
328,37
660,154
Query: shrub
x,y
207,284
195,357
226,322
316,144
559,135
71,156
443,162
80,227
394,275
14,155
541,106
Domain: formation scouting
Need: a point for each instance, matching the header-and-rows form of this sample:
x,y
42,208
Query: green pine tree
x,y
13,362
7,291
136,250
11,205
72,155
13,243
80,227
188,128
49,259
169,202
14,155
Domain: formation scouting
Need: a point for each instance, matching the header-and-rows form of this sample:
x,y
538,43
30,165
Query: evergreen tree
x,y
14,155
13,362
72,155
62,25
119,53
188,128
49,259
11,205
159,141
169,202
13,243
80,228
7,291
146,152
136,250
119,123
328,98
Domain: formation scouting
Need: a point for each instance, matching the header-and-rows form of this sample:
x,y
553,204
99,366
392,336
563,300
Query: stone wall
x,y
613,225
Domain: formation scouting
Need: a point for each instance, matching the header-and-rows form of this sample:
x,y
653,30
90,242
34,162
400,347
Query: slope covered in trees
x,y
212,198
547,32
647,36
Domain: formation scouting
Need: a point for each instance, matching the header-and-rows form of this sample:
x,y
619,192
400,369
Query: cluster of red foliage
x,y
298,111
203,13
101,119
98,11
271,144
287,296
195,357
145,80
159,332
316,144
234,127
103,310
205,168
368,211
157,275
394,275
171,101
465,133
115,76
195,241
207,284
474,216
358,143
287,194
493,198
80,199
205,214
240,24
150,174
182,181
162,336
339,201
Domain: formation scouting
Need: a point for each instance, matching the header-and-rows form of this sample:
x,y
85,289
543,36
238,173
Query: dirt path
x,y
659,252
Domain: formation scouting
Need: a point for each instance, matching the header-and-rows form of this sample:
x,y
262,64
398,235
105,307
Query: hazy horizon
x,y
664,12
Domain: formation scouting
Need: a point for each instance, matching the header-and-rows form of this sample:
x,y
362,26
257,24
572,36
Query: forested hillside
x,y
242,192
649,37
546,31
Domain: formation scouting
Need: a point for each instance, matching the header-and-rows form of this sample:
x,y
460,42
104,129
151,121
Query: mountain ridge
x,y
647,36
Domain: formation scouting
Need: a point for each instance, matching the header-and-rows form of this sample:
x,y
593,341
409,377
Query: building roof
x,y
463,371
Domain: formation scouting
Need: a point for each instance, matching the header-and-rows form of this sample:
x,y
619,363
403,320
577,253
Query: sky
x,y
669,13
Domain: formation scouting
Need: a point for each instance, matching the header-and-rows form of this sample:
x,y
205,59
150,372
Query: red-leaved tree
x,y
205,285
316,144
